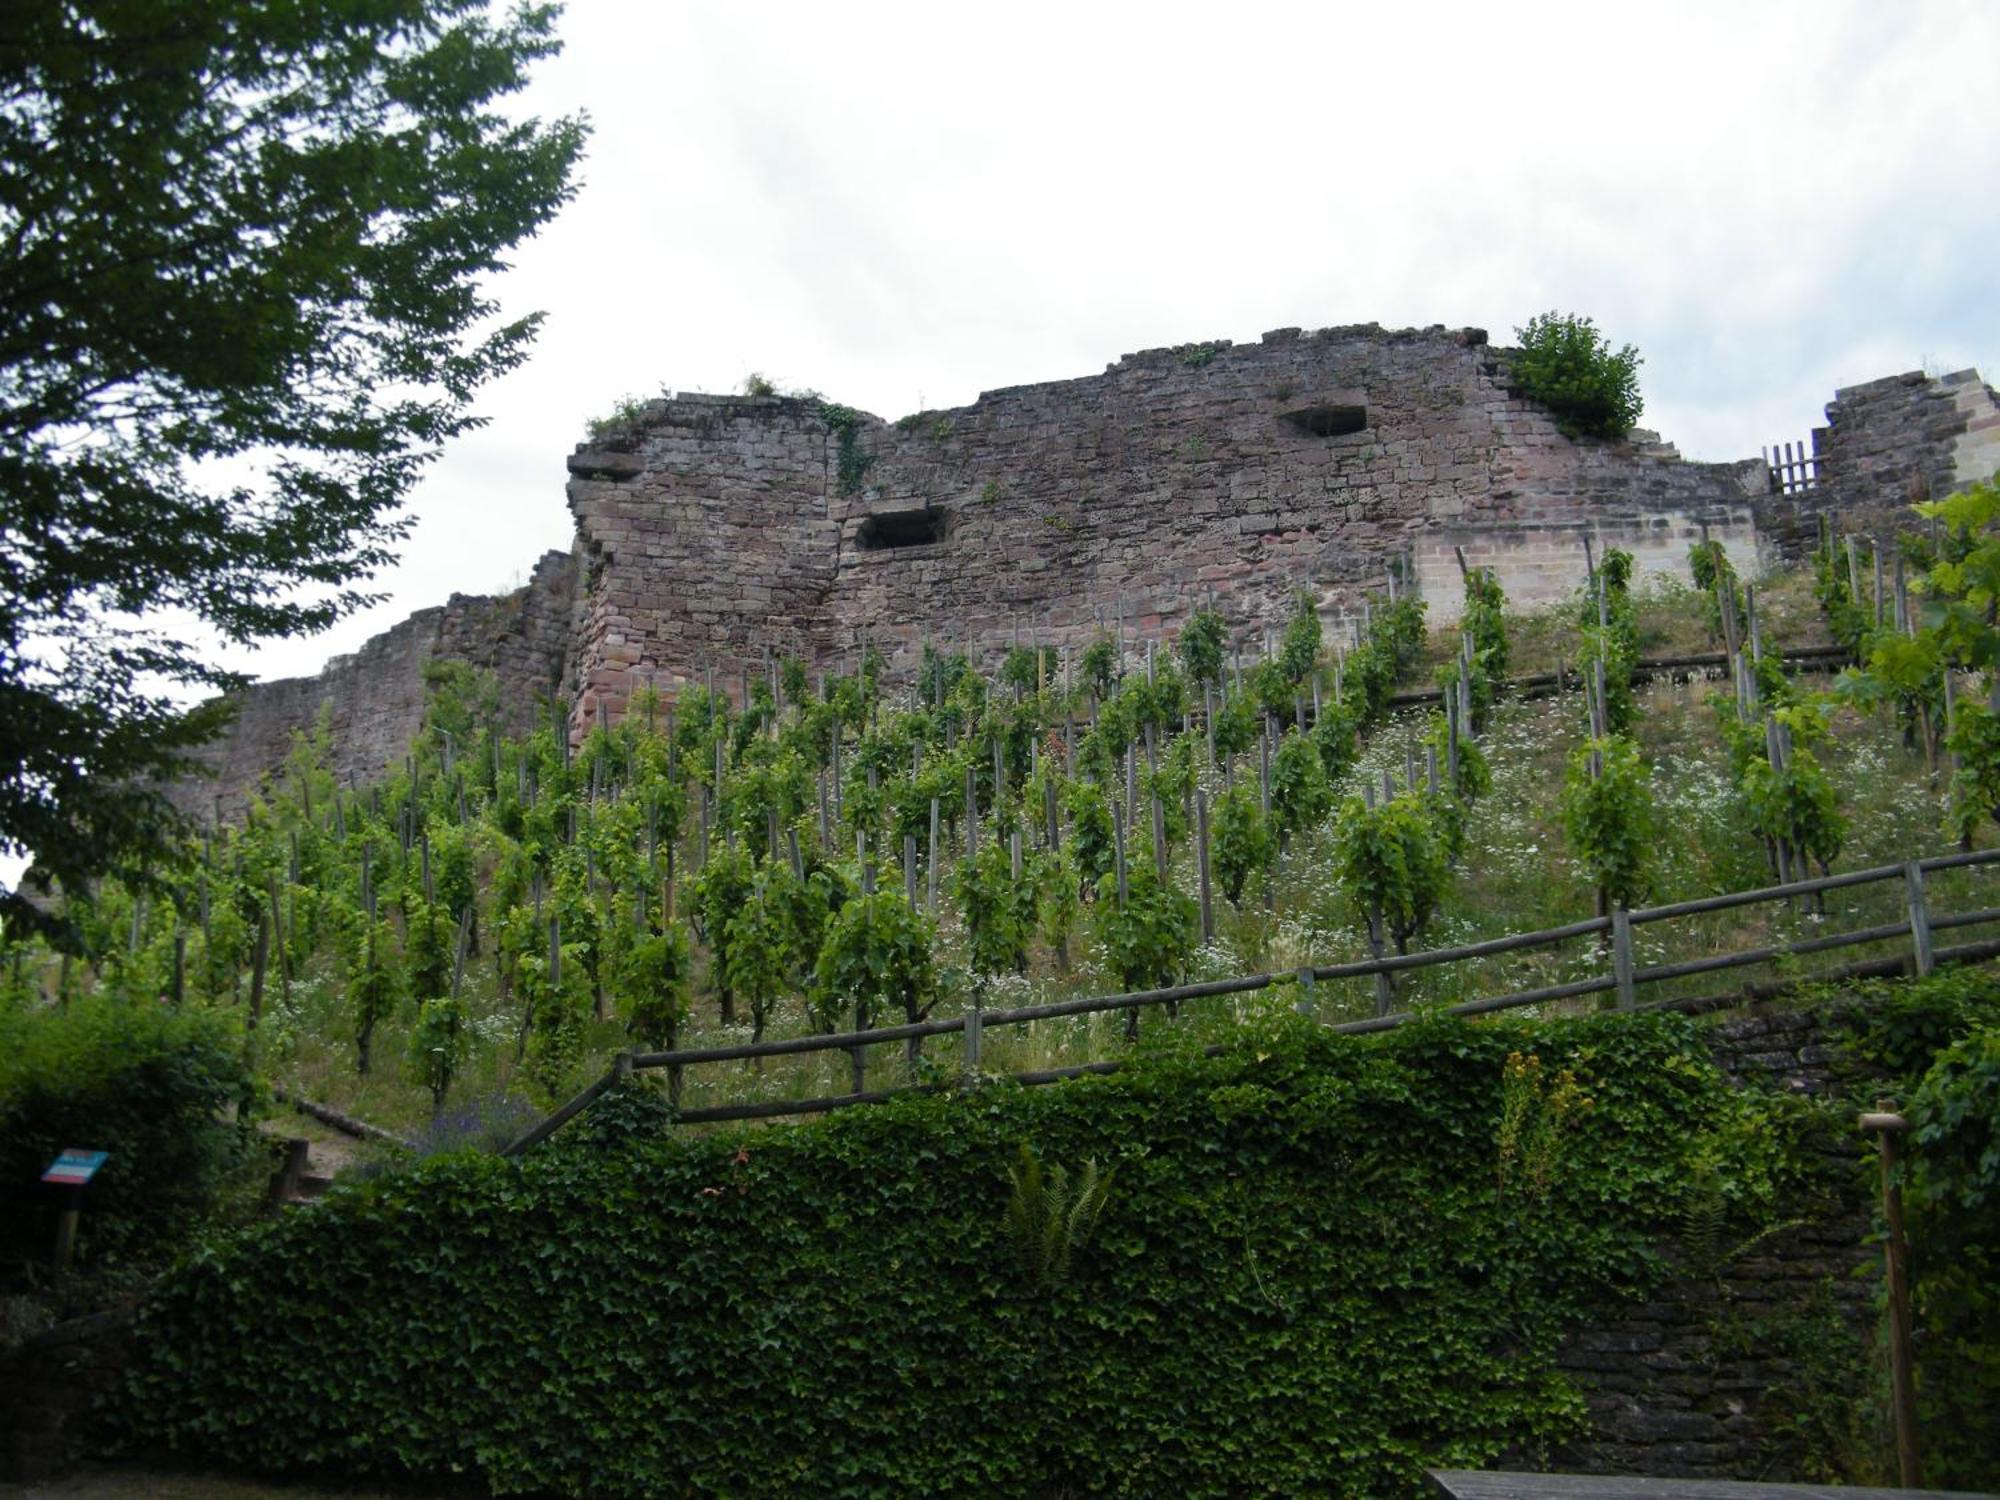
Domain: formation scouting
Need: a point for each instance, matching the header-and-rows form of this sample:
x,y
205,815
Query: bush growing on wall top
x,y
1565,363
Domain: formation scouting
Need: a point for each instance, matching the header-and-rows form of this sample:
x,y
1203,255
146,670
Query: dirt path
x,y
123,1482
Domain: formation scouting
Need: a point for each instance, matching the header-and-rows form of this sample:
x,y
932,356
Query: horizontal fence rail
x,y
1623,981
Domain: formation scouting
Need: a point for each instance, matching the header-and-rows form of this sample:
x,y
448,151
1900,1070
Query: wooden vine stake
x,y
1886,1127
1201,856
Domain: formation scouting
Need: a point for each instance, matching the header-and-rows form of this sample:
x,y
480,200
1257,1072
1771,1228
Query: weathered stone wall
x,y
374,698
51,1387
1704,1379
719,528
714,532
1905,437
706,541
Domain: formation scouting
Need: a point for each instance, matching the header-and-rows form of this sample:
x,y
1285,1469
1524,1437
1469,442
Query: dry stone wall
x,y
373,699
714,533
1705,1379
719,529
1905,437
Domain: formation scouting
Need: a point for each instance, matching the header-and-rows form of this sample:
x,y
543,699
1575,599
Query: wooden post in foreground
x,y
1903,1387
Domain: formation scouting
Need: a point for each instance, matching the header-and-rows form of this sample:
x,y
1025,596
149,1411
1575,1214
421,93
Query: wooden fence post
x,y
1118,849
1621,956
1306,990
1920,917
975,1035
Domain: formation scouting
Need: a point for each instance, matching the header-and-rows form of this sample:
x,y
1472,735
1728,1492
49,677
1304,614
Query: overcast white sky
x,y
902,206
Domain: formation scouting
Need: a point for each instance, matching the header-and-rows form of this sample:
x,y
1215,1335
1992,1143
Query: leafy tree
x,y
1099,665
1298,651
1565,364
428,949
877,956
1962,589
1235,725
1975,785
999,910
374,985
437,1047
1797,806
1953,1188
1057,883
1092,838
758,957
234,239
719,893
1711,569
1336,734
1485,620
1148,941
653,979
561,1012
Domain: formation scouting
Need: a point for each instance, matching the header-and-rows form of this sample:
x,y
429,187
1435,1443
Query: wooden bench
x,y
1464,1484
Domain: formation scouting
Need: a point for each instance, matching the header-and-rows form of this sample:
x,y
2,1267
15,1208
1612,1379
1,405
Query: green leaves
x,y
1201,646
1393,862
1049,1219
1565,364
653,977
1300,794
246,233
1147,942
999,910
1241,839
877,957
1607,816
1297,1237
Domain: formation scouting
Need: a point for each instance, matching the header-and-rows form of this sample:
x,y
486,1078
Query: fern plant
x,y
1050,1218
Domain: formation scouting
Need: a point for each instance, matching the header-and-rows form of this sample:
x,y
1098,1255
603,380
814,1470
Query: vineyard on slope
x,y
480,932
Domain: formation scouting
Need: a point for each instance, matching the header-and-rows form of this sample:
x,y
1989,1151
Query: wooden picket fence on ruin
x,y
1915,932
1793,472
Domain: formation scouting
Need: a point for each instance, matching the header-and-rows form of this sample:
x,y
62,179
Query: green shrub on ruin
x,y
1564,363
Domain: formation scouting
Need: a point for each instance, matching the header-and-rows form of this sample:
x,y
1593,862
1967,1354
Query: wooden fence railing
x,y
1918,926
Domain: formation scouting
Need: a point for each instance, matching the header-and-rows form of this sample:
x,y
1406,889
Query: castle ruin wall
x,y
719,530
1904,438
374,698
714,533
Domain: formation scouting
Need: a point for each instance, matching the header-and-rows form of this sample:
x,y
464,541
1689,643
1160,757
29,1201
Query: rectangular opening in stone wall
x,y
1322,420
900,528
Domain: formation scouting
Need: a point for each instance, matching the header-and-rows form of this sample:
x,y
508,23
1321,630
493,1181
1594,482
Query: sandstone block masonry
x,y
1904,438
718,529
373,700
714,532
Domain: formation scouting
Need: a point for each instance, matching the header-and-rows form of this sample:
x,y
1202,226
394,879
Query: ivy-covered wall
x,y
1322,1264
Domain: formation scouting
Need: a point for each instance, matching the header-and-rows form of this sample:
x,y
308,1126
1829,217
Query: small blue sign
x,y
74,1167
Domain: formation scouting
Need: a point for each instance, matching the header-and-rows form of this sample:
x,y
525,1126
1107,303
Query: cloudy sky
x,y
902,206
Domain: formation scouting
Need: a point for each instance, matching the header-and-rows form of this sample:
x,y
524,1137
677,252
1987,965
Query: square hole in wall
x,y
889,529
1322,419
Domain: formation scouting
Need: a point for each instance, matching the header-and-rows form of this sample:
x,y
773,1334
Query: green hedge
x,y
150,1085
1311,1276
